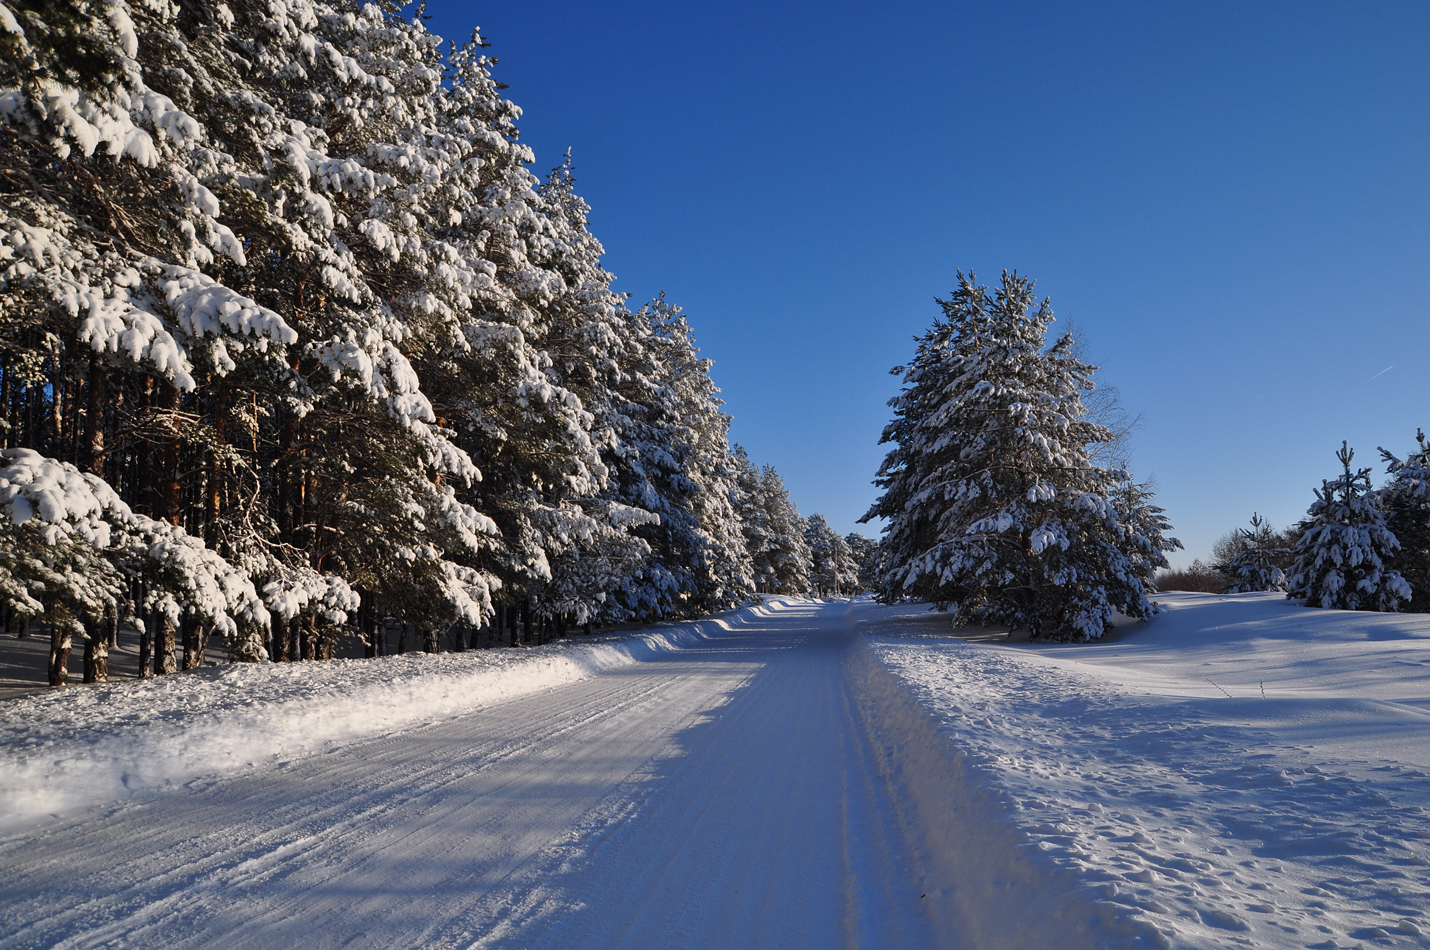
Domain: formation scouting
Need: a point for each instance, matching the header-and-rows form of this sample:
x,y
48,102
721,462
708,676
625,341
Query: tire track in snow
x,y
759,789
237,835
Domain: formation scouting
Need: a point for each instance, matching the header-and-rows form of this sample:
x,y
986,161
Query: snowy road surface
x,y
724,795
1242,772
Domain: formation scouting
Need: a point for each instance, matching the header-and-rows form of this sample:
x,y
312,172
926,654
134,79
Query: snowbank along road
x,y
756,788
1241,772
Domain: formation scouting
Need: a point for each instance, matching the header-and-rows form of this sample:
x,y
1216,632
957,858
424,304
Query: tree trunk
x,y
96,657
309,638
61,641
369,629
287,476
430,642
94,416
146,646
526,622
165,658
402,638
278,640
145,495
170,484
214,487
193,647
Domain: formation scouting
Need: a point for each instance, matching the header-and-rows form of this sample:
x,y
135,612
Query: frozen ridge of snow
x,y
71,751
1154,772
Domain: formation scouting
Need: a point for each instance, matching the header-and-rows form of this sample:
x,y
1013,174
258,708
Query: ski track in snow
x,y
1155,767
799,774
68,751
717,795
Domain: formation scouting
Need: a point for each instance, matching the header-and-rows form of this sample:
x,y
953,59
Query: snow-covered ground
x,y
66,752
723,794
1241,771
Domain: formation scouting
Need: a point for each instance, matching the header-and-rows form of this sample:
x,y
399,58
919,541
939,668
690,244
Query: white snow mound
x,y
1241,771
65,752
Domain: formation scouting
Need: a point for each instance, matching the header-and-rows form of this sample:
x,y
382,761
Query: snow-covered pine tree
x,y
1405,499
282,288
1253,568
530,311
594,346
833,570
992,500
1145,529
672,459
781,557
864,551
114,315
177,345
746,497
1341,558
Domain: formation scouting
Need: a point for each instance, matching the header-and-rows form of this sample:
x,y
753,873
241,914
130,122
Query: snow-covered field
x,y
1241,771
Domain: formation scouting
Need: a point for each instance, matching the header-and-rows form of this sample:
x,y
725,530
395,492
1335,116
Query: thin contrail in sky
x,y
1382,372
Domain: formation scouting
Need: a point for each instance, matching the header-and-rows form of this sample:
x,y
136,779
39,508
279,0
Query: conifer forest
x,y
294,345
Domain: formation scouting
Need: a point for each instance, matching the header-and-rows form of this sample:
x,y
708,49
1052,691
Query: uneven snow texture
x,y
985,881
1155,768
67,751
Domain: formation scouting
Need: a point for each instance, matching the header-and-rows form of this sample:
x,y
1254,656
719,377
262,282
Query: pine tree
x,y
1341,558
673,460
864,552
1405,499
275,280
786,558
1253,568
833,569
992,500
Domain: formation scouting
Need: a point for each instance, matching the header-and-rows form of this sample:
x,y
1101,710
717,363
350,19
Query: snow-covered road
x,y
723,795
1241,772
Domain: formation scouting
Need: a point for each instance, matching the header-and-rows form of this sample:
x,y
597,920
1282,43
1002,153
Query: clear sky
x,y
1231,200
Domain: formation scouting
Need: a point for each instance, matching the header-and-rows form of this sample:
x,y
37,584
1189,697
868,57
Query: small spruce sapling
x,y
1341,557
1253,568
1405,499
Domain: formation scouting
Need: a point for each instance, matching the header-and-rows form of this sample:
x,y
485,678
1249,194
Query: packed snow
x,y
1240,771
64,753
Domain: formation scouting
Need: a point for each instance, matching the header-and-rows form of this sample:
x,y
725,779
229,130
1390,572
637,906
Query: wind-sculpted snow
x,y
67,752
1241,772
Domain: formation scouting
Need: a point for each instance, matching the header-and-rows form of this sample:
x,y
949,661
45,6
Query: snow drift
x,y
1243,771
986,879
88,748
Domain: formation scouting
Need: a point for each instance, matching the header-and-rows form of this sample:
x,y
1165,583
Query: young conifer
x,y
1253,568
1341,558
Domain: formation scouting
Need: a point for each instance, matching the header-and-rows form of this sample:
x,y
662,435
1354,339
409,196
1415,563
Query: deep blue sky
x,y
1232,200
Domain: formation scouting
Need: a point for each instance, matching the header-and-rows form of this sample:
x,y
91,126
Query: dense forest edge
x,y
295,347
